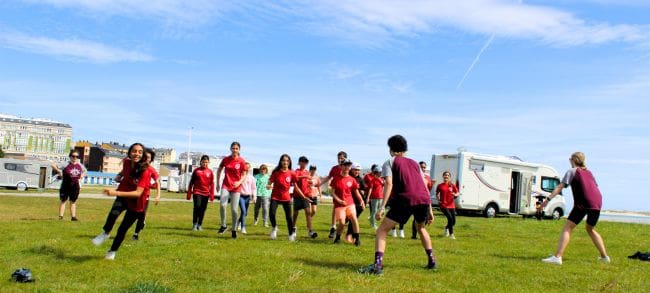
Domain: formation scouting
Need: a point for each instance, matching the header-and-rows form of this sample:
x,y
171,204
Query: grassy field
x,y
500,254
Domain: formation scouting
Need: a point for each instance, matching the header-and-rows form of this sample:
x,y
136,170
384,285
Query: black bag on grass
x,y
22,276
645,256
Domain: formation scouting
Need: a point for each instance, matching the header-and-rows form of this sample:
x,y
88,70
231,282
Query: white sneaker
x,y
446,232
266,224
274,233
605,259
110,255
195,228
553,260
401,234
255,223
239,227
100,239
292,237
451,236
394,233
243,230
199,228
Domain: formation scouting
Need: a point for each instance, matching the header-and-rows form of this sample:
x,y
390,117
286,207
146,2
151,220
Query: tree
x,y
2,154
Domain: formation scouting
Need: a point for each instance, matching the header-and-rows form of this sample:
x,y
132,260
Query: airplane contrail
x,y
478,56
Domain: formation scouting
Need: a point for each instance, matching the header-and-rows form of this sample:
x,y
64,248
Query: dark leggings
x,y
414,231
129,218
140,224
451,219
200,205
286,205
119,205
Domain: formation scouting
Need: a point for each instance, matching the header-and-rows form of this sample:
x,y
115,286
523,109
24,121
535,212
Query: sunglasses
x,y
74,156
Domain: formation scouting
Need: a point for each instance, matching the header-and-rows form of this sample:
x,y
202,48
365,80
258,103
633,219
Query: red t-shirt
x,y
377,185
367,178
343,187
335,172
127,183
282,181
428,181
139,204
302,183
447,195
154,177
234,169
202,183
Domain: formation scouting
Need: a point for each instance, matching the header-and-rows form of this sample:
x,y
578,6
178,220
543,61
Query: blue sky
x,y
536,79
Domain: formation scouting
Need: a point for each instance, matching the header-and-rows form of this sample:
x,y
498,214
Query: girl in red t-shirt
x,y
202,188
446,193
280,182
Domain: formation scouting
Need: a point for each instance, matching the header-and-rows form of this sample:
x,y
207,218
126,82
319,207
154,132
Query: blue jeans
x,y
244,201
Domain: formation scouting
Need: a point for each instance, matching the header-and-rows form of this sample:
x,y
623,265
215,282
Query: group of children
x,y
399,187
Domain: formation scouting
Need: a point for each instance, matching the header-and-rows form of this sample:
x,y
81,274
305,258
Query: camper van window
x,y
10,166
549,183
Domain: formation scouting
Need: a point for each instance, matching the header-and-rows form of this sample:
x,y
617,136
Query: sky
x,y
534,79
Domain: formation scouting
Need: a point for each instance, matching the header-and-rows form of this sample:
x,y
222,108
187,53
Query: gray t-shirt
x,y
568,177
387,170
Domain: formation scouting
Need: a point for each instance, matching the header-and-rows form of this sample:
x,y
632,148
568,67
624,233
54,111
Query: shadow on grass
x,y
519,257
321,263
60,254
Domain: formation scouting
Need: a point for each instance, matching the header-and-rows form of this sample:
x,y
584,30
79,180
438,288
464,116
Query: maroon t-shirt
x,y
586,194
71,175
408,184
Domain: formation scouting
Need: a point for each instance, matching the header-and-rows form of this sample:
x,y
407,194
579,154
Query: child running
x,y
134,188
248,193
134,155
343,188
408,194
376,194
263,195
302,195
149,156
202,188
446,193
280,182
235,169
316,194
335,172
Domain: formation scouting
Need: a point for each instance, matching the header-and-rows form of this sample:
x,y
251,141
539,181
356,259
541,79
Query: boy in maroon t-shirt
x,y
408,196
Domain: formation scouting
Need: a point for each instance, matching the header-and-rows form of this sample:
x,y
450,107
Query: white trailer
x,y
24,174
498,184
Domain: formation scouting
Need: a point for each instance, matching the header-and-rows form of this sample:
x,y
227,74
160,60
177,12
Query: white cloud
x,y
74,49
376,21
174,12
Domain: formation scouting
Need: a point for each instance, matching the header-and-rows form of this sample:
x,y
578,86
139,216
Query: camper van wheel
x,y
21,186
490,211
557,213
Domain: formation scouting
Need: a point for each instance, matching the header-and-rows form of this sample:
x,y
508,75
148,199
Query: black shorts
x,y
300,203
69,193
401,212
314,201
577,214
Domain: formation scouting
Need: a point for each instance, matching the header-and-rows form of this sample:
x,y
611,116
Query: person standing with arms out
x,y
149,156
280,182
202,188
248,190
587,201
316,194
302,195
446,194
134,156
71,175
406,190
263,195
376,194
235,169
335,172
344,187
137,183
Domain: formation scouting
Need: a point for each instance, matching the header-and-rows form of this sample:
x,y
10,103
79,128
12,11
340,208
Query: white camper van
x,y
498,184
24,174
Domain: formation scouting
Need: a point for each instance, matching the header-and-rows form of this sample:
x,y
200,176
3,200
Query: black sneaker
x,y
414,237
371,270
313,235
332,233
234,234
74,219
432,266
222,229
357,242
337,240
60,217
134,237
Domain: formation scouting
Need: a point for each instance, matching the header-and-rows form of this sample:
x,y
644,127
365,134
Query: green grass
x,y
493,255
